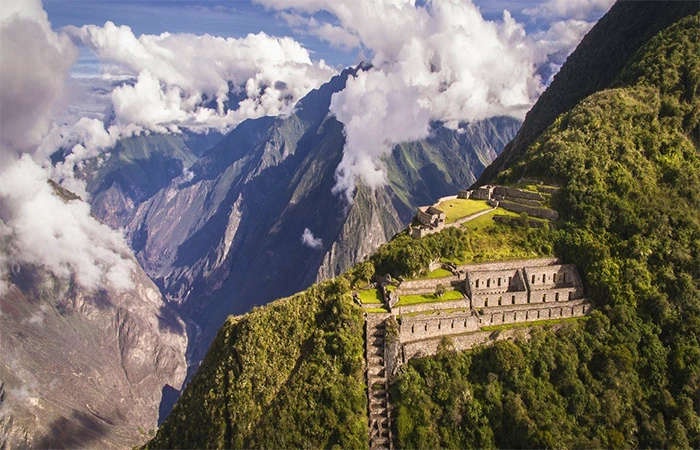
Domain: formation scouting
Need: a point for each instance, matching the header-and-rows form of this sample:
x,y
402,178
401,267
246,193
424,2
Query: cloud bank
x,y
36,226
435,61
186,80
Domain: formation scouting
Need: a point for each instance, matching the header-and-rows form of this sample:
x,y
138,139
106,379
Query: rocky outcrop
x,y
85,369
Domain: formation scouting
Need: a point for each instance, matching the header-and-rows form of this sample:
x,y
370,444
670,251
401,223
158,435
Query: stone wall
x,y
542,213
509,192
462,342
421,307
512,264
506,298
548,277
427,285
421,335
494,281
557,310
425,326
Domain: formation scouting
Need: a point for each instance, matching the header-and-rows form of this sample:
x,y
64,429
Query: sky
x,y
77,76
239,17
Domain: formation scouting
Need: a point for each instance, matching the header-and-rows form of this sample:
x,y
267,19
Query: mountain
x,y
138,167
85,368
593,66
228,235
627,160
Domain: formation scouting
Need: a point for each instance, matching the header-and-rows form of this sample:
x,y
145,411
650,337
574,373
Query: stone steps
x,y
378,397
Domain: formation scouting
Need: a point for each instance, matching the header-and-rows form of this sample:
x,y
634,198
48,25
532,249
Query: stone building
x,y
553,283
494,294
431,216
496,287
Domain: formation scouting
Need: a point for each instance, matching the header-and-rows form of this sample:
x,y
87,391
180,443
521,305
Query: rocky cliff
x,y
85,369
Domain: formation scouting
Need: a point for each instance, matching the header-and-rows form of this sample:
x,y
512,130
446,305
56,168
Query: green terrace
x,y
535,323
406,300
370,297
437,273
459,208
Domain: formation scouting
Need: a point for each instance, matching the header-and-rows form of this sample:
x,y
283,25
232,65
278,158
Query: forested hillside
x,y
630,376
287,375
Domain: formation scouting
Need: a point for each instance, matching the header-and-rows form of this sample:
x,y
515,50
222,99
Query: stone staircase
x,y
377,383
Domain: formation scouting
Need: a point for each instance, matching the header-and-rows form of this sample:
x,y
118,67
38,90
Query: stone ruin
x,y
430,219
493,294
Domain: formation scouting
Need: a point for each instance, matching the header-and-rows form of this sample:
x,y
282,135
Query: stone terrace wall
x,y
505,298
426,286
461,342
512,264
542,213
432,306
517,193
539,278
543,311
424,342
425,326
494,281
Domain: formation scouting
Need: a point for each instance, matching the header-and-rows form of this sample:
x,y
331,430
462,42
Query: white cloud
x,y
570,9
36,226
437,61
337,36
29,92
184,80
308,239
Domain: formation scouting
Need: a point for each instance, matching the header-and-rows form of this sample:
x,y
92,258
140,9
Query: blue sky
x,y
227,19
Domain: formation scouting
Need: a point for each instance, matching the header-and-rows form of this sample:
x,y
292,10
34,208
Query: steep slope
x,y
138,167
231,232
85,369
593,66
628,159
287,375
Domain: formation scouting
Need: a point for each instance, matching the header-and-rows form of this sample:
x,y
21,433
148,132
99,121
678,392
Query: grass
x,y
486,220
437,273
405,300
535,323
370,297
458,208
376,310
491,241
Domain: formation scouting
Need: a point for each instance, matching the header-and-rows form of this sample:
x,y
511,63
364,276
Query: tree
x,y
440,290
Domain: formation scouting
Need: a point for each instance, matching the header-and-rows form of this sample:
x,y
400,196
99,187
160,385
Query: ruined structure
x,y
493,294
431,219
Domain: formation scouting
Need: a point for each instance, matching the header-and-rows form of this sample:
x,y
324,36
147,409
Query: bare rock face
x,y
84,369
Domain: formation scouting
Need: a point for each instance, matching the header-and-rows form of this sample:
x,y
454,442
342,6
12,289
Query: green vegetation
x,y
376,310
370,296
459,208
289,374
438,273
535,323
486,221
433,311
489,241
628,377
405,300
